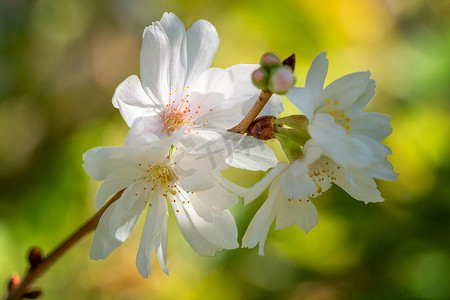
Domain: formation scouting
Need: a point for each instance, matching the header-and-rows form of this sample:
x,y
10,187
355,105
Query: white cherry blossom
x,y
178,89
153,176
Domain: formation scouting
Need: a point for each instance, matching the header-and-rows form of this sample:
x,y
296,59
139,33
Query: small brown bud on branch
x,y
262,128
35,257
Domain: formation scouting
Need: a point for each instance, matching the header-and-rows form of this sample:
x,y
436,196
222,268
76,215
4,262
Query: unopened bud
x,y
32,295
35,257
282,80
260,78
262,128
14,282
270,59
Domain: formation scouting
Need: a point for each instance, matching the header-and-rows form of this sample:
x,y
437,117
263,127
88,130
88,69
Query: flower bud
x,y
282,80
14,282
262,128
259,78
35,257
270,59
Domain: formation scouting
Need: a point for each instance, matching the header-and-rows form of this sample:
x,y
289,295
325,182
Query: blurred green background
x,y
60,62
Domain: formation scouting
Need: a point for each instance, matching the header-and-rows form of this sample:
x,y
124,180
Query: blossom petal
x,y
221,231
299,184
381,170
144,131
155,63
274,107
116,223
343,149
155,223
116,181
346,90
252,193
218,196
371,124
101,161
252,154
197,241
244,89
316,75
160,245
364,98
175,31
132,101
202,41
364,188
300,211
259,226
211,92
303,99
127,211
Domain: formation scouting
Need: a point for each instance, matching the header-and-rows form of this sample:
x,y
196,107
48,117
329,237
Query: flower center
x,y
323,173
162,178
179,111
339,117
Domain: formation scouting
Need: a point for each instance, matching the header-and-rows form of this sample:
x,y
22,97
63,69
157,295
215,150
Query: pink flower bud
x,y
259,79
281,80
270,59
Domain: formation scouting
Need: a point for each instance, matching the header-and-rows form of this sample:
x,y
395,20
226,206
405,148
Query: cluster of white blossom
x,y
179,113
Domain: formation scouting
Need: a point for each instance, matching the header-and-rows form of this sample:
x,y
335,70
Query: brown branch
x,y
253,113
259,104
37,270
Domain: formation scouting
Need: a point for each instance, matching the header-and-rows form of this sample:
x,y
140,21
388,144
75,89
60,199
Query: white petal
x,y
252,154
303,99
155,63
160,245
175,31
364,98
197,241
127,211
100,162
346,90
243,86
202,208
342,148
274,107
132,101
252,193
202,41
104,243
116,224
217,197
145,131
316,75
259,226
155,224
300,211
381,170
372,124
299,184
203,152
117,180
211,92
363,188
221,231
